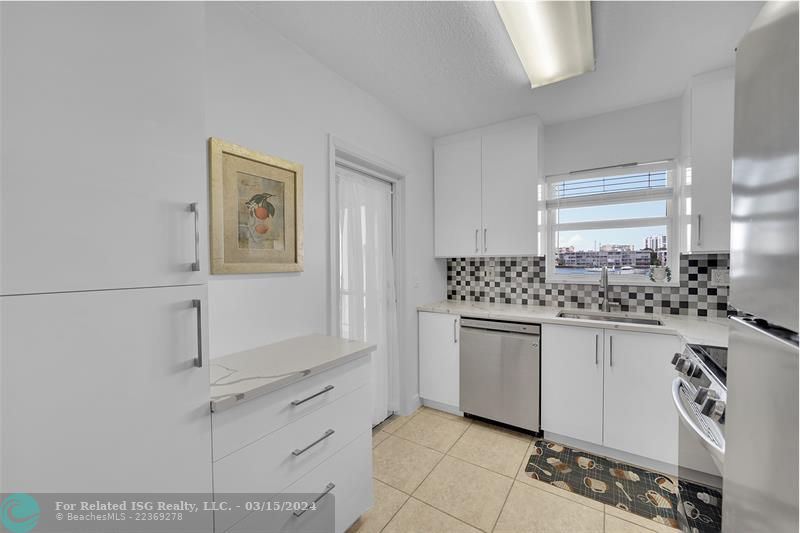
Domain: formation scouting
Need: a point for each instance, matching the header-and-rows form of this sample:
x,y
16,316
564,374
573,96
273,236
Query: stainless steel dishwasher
x,y
500,371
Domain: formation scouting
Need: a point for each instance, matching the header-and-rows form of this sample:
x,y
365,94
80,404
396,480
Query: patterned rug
x,y
651,495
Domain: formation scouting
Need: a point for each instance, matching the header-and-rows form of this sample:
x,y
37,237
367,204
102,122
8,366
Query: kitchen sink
x,y
611,318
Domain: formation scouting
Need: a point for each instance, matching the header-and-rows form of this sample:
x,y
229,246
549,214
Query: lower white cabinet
x,y
101,392
329,443
638,414
572,382
612,388
439,357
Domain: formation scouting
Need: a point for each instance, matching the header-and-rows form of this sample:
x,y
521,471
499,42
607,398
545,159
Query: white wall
x,y
265,93
641,134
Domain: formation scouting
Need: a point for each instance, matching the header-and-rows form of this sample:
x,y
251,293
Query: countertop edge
x,y
233,400
543,318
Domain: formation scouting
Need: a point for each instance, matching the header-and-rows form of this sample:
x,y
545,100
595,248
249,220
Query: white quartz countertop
x,y
246,375
697,330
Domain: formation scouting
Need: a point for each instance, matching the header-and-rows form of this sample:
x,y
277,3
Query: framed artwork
x,y
256,211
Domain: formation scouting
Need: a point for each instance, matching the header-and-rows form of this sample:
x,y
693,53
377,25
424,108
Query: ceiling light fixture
x,y
553,39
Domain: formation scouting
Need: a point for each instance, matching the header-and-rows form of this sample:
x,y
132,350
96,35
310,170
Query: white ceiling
x,y
450,66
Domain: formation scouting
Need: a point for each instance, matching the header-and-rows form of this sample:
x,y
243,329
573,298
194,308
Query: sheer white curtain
x,y
367,299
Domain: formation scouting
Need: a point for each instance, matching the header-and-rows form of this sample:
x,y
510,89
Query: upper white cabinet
x,y
485,190
711,146
457,196
439,358
102,150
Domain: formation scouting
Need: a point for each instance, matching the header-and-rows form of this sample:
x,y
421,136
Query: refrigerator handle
x,y
196,210
699,228
198,305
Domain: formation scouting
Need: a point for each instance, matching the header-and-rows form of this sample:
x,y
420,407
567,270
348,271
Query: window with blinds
x,y
620,218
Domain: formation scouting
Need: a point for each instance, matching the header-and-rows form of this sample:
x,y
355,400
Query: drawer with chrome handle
x,y
329,487
327,388
299,451
340,489
243,424
276,460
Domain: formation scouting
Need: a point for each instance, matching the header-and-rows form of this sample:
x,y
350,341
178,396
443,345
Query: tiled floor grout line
x,y
514,478
408,497
505,501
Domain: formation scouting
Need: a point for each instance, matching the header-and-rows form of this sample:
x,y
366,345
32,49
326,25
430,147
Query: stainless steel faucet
x,y
605,303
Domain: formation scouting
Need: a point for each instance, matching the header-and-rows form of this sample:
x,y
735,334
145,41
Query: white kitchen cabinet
x,y
711,158
509,188
638,414
572,382
102,151
439,358
457,197
612,388
288,448
101,392
485,190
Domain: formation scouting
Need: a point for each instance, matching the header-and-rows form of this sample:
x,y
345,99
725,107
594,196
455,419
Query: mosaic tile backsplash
x,y
521,280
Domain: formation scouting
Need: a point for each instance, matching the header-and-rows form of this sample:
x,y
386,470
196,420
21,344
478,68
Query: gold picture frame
x,y
256,204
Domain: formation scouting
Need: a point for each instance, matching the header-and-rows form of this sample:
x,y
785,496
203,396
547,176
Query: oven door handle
x,y
688,419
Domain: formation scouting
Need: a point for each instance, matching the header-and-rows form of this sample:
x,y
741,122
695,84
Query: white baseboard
x,y
411,405
442,407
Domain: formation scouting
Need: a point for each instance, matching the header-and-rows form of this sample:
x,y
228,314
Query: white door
x,y
439,358
367,295
572,382
509,188
712,160
639,416
101,392
103,151
457,197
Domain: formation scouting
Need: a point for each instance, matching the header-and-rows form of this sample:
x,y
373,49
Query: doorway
x,y
365,280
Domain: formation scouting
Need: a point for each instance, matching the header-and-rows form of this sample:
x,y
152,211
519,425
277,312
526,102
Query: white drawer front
x,y
269,464
350,472
239,426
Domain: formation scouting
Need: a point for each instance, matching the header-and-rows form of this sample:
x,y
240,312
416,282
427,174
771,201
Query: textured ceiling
x,y
450,66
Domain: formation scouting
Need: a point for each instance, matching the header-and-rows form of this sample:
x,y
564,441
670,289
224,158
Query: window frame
x,y
671,220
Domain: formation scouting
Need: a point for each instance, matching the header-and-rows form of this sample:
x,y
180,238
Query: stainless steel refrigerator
x,y
760,478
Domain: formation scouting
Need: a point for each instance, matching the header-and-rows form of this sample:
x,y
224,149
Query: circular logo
x,y
19,512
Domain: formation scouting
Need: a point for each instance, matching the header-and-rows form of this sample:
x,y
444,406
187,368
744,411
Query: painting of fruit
x,y
260,213
260,206
256,205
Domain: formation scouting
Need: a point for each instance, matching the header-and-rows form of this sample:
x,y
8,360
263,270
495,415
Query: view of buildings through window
x,y
616,256
620,222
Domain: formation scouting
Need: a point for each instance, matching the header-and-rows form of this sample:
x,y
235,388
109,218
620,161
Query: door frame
x,y
343,153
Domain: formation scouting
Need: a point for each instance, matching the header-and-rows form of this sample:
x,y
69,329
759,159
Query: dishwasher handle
x,y
496,325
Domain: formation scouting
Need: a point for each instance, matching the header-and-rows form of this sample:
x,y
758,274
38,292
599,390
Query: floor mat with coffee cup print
x,y
649,494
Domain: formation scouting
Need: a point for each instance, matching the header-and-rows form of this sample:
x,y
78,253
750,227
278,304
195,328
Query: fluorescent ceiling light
x,y
553,39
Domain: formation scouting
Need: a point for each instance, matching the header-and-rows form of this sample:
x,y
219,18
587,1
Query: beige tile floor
x,y
439,473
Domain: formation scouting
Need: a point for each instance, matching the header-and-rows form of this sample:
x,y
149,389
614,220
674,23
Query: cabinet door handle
x,y
611,350
699,228
485,241
198,305
295,403
324,436
455,331
329,487
196,210
476,241
596,350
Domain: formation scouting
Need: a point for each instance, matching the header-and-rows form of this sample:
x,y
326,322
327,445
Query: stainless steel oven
x,y
700,396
